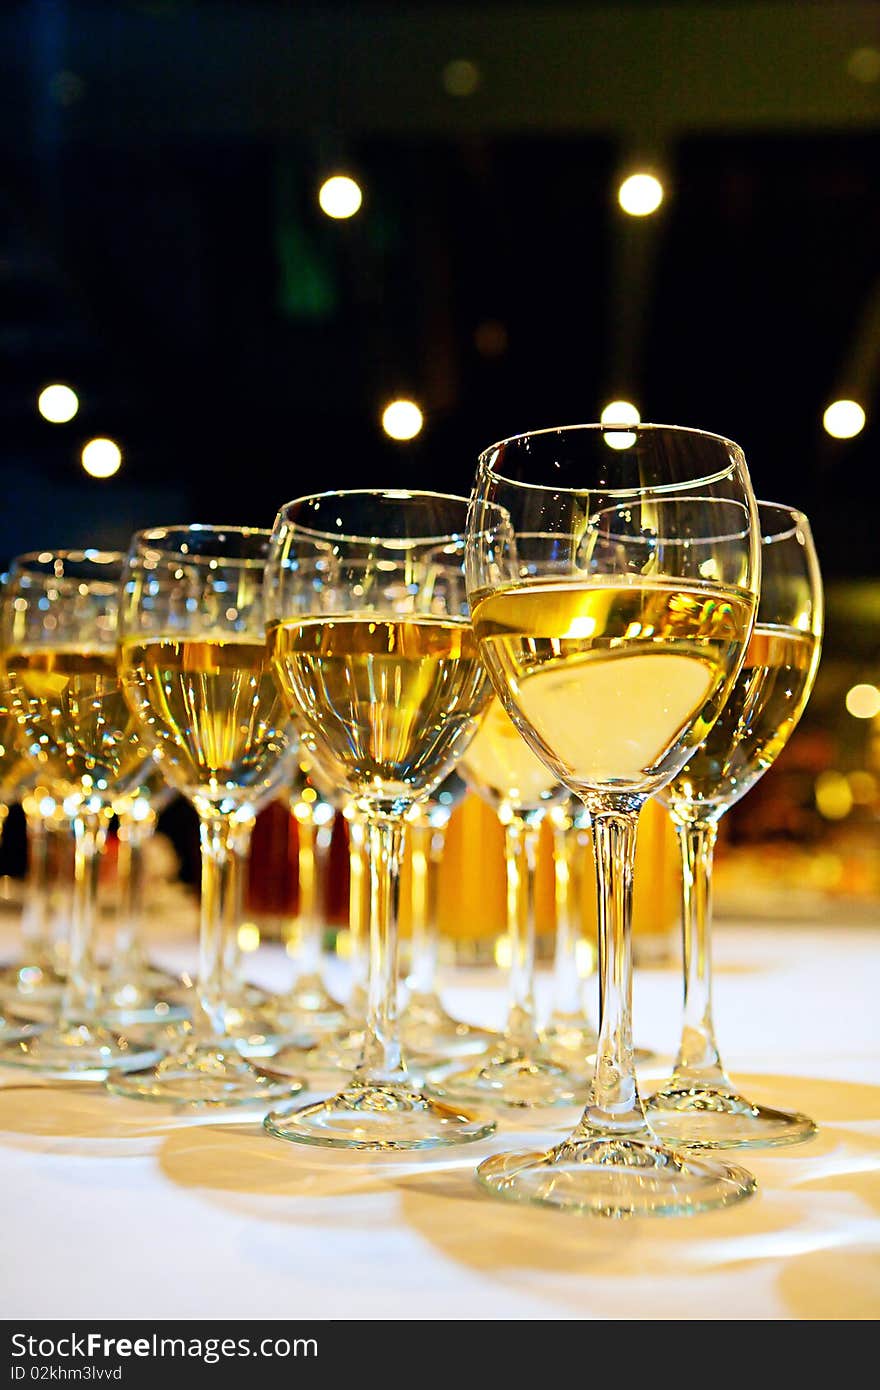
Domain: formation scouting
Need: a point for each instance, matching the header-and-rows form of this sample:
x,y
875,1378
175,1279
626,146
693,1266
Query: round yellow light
x,y
834,798
863,701
844,419
620,413
57,403
340,196
640,194
248,936
402,419
101,458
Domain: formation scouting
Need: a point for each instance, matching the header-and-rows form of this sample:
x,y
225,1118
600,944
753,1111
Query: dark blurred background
x,y
163,253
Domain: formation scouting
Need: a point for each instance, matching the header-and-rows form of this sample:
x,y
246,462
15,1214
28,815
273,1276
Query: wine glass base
x,y
520,1078
150,997
708,1117
574,1049
336,1052
75,1052
427,1031
390,1117
615,1178
203,1076
13,1030
306,1007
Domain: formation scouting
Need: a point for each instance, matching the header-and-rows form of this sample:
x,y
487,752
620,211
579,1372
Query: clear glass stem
x,y
82,990
698,1062
224,851
569,848
521,857
614,1107
358,918
35,921
427,843
128,953
314,849
382,1062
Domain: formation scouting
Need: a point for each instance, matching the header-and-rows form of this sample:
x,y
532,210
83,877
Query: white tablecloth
x,y
113,1209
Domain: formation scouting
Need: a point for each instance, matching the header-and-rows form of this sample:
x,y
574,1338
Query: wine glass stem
x,y
83,987
427,843
698,1061
614,1107
358,918
314,846
568,987
224,853
520,857
35,931
382,1060
131,877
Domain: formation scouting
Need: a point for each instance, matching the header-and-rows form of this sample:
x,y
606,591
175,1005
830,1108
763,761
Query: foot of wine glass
x,y
428,1031
699,1106
515,1069
206,1069
381,1108
78,1045
613,1164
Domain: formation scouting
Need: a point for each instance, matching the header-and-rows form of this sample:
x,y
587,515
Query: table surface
x,y
115,1209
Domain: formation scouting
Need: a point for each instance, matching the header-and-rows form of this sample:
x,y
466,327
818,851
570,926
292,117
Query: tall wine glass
x,y
193,661
699,1106
373,649
59,638
428,1030
569,1035
513,1069
613,653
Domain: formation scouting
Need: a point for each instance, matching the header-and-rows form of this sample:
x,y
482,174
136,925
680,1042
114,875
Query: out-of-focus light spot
x,y
490,338
640,194
585,958
863,786
844,419
57,403
340,196
101,458
834,798
248,936
863,65
402,419
863,701
460,78
502,952
620,413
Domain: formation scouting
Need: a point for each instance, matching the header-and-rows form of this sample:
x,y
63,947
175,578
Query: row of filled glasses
x,y
609,617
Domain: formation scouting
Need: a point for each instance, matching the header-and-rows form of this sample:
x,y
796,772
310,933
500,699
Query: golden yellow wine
x,y
15,767
77,724
618,681
500,765
212,708
757,721
385,705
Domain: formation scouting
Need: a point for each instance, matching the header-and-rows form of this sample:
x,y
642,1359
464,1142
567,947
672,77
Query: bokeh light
x,y
402,419
844,419
58,403
640,194
863,701
248,936
101,458
620,413
340,196
834,798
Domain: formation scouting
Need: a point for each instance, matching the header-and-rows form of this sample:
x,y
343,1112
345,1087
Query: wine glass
x,y
569,1035
514,1069
428,1030
613,651
699,1106
59,639
372,646
194,667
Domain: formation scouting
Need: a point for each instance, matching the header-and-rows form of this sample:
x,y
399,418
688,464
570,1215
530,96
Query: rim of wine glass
x,y
154,533
391,494
800,519
35,562
592,427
